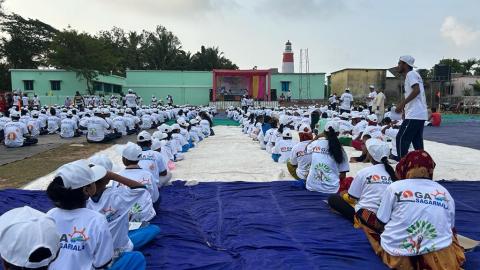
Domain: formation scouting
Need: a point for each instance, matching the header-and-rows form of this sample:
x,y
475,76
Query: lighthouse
x,y
287,63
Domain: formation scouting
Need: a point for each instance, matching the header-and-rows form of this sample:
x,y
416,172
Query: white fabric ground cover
x,y
232,156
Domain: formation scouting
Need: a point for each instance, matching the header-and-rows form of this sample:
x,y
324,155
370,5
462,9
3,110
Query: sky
x,y
338,33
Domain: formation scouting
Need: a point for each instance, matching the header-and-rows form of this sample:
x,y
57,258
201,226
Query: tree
x,y
468,66
209,59
27,41
87,55
455,65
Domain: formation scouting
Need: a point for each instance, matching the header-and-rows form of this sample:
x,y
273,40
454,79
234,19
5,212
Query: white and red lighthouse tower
x,y
287,64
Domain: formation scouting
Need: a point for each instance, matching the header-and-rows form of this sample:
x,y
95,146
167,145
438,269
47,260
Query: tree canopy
x,y
30,44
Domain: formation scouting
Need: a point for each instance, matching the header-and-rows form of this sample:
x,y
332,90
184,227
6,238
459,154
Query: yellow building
x,y
358,80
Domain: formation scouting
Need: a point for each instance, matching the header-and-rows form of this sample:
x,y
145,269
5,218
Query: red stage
x,y
255,83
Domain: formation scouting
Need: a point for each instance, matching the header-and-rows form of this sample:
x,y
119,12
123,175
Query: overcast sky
x,y
338,33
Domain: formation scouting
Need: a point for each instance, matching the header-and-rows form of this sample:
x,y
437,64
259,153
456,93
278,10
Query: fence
x,y
462,104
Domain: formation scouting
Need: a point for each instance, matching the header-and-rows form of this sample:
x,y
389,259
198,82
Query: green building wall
x,y
69,83
317,84
186,87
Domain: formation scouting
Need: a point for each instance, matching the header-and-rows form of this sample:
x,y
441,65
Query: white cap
x,y
78,174
372,118
175,126
377,149
287,133
102,160
70,113
332,124
35,113
408,59
345,115
23,231
144,136
372,86
156,144
132,152
193,121
130,90
165,128
15,114
304,128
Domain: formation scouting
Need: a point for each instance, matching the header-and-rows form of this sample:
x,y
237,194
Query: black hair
x,y
434,109
334,146
389,169
24,112
267,119
315,116
387,120
251,118
53,112
65,198
205,116
324,115
280,128
259,118
145,144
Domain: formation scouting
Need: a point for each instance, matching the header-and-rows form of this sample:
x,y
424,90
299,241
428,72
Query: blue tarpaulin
x,y
272,225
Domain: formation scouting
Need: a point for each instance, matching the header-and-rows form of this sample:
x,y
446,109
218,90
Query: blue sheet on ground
x,y
273,225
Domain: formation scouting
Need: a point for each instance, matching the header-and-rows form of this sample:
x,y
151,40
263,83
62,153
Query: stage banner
x,y
255,82
232,85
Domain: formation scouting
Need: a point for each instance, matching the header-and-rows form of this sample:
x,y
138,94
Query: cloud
x,y
300,9
461,34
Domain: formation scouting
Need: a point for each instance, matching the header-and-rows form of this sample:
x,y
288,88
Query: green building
x,y
186,87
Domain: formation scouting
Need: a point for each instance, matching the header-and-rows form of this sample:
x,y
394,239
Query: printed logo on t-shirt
x,y
75,240
318,149
323,172
417,233
109,213
379,179
436,198
285,149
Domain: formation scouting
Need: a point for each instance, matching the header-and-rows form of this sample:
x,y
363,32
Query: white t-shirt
x,y
85,240
143,177
301,158
53,123
419,216
14,132
115,204
68,127
33,127
368,187
332,99
324,171
147,122
374,132
391,133
371,96
359,128
120,124
347,100
284,148
131,100
96,127
417,108
153,162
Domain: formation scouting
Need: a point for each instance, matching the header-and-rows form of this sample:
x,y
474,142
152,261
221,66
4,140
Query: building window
x,y
28,85
285,86
97,86
55,85
107,88
117,89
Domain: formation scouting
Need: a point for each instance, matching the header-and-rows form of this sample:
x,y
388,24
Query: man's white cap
x,y
164,128
377,149
372,118
193,121
408,59
304,128
287,133
70,113
15,114
156,144
97,110
35,113
132,152
356,115
332,124
144,136
175,126
372,86
23,231
78,174
130,90
345,115
102,160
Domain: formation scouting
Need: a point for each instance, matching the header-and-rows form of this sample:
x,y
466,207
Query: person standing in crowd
x,y
131,101
414,108
289,95
78,101
25,100
36,101
347,100
371,97
379,104
333,101
243,103
169,100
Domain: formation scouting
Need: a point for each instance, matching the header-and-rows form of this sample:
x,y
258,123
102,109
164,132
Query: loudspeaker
x,y
273,92
442,72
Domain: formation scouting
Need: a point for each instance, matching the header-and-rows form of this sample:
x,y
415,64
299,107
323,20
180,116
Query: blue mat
x,y
272,225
